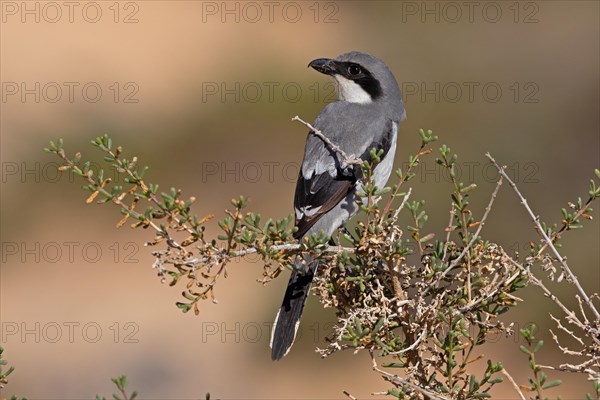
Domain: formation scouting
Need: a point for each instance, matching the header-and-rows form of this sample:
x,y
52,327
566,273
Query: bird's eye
x,y
354,70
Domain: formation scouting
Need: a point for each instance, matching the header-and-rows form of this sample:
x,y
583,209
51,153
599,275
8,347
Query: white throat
x,y
351,91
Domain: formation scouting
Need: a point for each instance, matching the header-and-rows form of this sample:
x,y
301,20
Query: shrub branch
x,y
423,316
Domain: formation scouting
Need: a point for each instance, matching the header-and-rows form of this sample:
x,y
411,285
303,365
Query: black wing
x,y
317,195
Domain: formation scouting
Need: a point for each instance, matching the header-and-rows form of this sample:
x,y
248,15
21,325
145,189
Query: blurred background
x,y
203,93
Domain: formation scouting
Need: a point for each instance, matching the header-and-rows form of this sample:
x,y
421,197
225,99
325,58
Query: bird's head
x,y
361,78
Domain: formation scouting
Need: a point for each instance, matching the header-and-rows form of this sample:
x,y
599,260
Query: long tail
x,y
288,318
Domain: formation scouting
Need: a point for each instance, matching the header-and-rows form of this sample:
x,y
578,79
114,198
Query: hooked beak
x,y
323,65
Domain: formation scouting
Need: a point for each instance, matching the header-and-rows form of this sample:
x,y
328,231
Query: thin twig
x,y
287,246
511,380
570,314
293,246
475,236
564,329
580,303
581,368
472,304
448,231
563,228
397,211
349,395
401,381
536,221
414,345
345,157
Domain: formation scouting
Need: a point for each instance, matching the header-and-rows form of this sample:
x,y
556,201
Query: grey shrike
x,y
366,116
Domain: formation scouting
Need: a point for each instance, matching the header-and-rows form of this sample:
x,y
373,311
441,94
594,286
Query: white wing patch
x,y
351,91
308,211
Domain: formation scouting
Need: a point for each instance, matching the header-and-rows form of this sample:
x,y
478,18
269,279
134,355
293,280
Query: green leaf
x,y
377,327
525,350
394,365
552,384
359,328
184,306
473,384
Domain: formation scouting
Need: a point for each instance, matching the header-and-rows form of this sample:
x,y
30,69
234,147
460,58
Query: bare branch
x,y
414,345
401,381
397,211
345,157
564,329
532,278
349,395
578,369
477,232
512,381
448,231
536,221
288,246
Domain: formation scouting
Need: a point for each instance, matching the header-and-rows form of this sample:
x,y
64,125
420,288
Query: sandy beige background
x,y
203,92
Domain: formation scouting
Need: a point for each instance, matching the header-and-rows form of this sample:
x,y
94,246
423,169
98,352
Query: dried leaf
x,y
123,220
92,197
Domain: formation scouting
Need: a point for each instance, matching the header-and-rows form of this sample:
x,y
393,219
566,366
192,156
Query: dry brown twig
x,y
348,159
456,261
536,221
401,381
515,385
591,329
